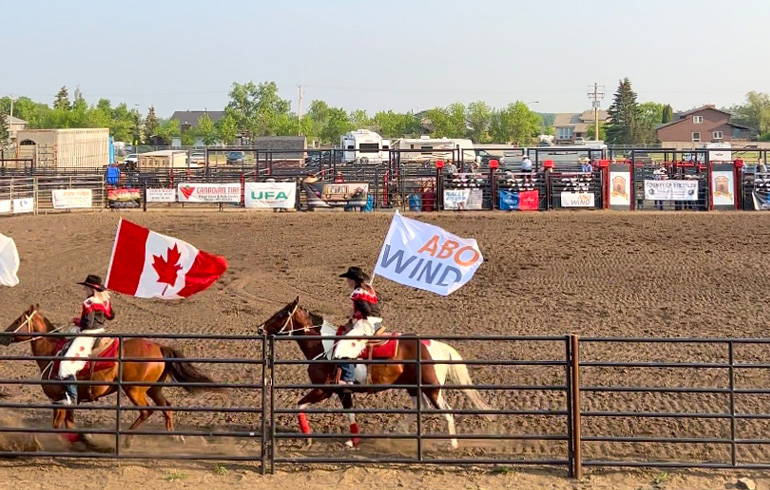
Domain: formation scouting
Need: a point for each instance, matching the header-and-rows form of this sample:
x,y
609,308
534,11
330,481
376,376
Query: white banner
x,y
457,199
71,198
210,193
270,195
427,257
723,187
24,205
577,200
9,262
671,190
5,206
620,188
161,195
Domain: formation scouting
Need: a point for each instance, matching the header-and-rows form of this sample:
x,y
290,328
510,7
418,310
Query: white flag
x,y
427,257
9,262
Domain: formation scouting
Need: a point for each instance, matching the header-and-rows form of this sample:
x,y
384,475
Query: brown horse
x,y
155,369
309,330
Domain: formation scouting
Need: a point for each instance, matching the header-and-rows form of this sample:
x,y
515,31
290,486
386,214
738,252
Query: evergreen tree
x,y
151,123
624,116
668,114
5,134
62,100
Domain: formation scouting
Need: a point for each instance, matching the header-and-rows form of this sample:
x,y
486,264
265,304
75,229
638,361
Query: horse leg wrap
x,y
70,437
304,426
354,430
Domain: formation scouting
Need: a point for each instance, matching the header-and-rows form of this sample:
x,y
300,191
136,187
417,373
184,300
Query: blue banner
x,y
509,201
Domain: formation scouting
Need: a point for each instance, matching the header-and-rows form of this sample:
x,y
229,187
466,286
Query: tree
x,y
391,124
623,127
650,116
360,120
206,130
256,109
62,100
151,123
602,133
5,133
227,127
168,130
515,124
479,116
337,123
668,114
755,113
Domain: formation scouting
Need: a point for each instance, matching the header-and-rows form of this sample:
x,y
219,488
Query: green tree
x,y
650,116
623,127
257,109
227,127
391,124
5,133
668,114
755,113
360,120
479,118
602,133
337,123
151,123
168,130
206,130
62,99
515,124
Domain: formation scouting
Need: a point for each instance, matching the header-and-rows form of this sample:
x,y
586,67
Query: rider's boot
x,y
70,392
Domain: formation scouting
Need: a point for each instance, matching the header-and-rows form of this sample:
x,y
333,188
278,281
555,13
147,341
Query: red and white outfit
x,y
95,310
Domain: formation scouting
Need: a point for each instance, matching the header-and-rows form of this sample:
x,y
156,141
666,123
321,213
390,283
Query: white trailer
x,y
427,149
364,147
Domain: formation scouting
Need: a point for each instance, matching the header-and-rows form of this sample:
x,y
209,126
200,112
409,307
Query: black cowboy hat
x,y
93,282
356,274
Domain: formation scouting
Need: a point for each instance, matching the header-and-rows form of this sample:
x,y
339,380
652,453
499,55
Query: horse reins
x,y
28,323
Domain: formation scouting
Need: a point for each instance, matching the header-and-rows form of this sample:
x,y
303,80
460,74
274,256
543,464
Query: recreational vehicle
x,y
426,149
364,146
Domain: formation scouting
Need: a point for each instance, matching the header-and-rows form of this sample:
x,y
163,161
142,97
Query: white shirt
x,y
526,164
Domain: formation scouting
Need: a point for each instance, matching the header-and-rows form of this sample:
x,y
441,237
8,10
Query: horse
x,y
154,369
309,330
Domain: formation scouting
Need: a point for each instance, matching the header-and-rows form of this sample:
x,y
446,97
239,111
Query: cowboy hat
x,y
93,282
356,274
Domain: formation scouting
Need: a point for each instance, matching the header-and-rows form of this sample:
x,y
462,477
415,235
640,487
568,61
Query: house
x,y
14,126
189,119
701,126
570,126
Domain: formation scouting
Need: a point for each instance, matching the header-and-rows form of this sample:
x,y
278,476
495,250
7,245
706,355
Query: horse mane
x,y
48,325
317,319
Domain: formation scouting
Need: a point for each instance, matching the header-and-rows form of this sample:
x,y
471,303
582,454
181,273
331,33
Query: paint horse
x,y
153,368
310,330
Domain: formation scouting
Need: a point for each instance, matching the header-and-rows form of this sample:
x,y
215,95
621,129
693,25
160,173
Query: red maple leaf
x,y
187,191
167,269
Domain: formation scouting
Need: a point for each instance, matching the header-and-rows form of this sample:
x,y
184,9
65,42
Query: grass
x,y
660,480
174,476
220,470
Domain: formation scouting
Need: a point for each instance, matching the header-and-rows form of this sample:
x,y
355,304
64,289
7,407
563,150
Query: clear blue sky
x,y
404,55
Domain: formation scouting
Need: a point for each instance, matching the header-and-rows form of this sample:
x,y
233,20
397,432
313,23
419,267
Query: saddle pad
x,y
106,349
382,350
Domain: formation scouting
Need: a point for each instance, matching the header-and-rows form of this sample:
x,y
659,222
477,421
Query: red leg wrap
x,y
304,426
354,430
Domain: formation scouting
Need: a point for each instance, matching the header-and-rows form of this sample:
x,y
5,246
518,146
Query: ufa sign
x,y
427,257
267,195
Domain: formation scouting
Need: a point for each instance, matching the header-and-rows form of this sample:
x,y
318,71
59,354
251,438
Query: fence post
x,y
577,462
733,447
418,376
144,196
493,166
271,428
266,381
35,195
117,396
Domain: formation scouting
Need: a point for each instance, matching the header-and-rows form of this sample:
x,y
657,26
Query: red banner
x,y
529,200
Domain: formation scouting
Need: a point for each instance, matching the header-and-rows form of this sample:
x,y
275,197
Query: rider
x,y
96,309
365,312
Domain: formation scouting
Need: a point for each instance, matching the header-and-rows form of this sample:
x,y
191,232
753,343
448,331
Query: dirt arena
x,y
592,274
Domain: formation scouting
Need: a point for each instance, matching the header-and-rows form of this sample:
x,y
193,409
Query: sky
x,y
400,55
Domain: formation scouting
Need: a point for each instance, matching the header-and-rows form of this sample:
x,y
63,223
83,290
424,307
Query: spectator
x,y
526,164
450,168
586,167
659,174
761,167
338,179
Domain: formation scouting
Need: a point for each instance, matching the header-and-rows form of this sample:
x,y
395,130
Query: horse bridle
x,y
289,321
27,322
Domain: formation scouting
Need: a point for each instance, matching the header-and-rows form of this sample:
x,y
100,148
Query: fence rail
x,y
571,380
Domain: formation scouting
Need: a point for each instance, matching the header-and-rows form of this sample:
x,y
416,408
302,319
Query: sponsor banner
x,y
327,195
160,195
124,198
577,200
723,187
427,257
271,195
620,190
72,198
671,190
463,199
210,193
24,205
761,201
5,206
519,201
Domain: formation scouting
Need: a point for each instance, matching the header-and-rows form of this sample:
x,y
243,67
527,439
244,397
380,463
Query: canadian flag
x,y
146,264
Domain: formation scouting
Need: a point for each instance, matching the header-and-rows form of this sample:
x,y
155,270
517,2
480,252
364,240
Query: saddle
x,y
103,347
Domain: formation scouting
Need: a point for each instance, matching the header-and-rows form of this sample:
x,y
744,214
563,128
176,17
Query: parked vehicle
x,y
364,146
197,158
131,160
427,149
235,158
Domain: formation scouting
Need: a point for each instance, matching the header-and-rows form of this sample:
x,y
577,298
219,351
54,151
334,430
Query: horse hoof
x,y
308,444
455,445
352,443
178,439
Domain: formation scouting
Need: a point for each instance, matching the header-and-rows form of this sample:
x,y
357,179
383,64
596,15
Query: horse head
x,y
30,322
285,320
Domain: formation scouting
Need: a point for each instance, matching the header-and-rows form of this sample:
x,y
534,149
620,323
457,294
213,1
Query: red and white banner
x,y
72,198
210,193
146,264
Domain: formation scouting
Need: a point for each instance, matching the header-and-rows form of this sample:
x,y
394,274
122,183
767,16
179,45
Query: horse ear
x,y
296,301
31,309
37,306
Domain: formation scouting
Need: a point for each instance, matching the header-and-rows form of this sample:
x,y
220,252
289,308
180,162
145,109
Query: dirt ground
x,y
593,274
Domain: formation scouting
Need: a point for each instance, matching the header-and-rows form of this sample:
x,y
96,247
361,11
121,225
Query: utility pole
x,y
9,120
299,105
595,95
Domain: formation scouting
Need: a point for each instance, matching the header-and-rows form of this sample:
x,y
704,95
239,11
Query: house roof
x,y
681,116
588,116
14,120
582,119
566,119
190,118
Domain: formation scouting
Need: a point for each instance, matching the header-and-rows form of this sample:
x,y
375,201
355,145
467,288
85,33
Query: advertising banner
x,y
72,198
519,201
620,189
723,187
578,200
160,195
24,205
671,190
463,199
327,195
124,198
5,206
210,193
271,195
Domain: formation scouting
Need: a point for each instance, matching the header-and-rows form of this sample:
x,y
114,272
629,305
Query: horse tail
x,y
459,374
184,372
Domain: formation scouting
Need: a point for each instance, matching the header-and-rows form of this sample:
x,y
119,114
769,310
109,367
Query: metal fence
x,y
610,402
